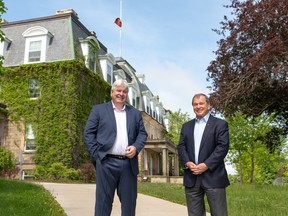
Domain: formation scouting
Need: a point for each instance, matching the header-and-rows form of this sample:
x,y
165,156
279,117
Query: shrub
x,y
40,172
71,174
7,163
87,172
285,174
59,171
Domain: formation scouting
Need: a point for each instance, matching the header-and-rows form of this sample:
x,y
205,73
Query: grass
x,y
257,200
19,198
248,200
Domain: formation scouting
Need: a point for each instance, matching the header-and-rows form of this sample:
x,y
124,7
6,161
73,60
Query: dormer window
x,y
36,44
34,54
147,105
109,74
89,47
4,45
134,98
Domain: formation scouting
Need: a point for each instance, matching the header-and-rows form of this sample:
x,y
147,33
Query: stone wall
x,y
168,179
13,139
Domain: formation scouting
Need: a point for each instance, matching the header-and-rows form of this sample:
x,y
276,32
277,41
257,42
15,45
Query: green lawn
x,y
19,198
243,200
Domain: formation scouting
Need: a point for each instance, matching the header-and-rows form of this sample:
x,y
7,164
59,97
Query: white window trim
x,y
28,135
109,72
4,44
87,45
133,95
36,33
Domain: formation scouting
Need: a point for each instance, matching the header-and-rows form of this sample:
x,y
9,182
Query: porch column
x,y
176,165
146,171
165,162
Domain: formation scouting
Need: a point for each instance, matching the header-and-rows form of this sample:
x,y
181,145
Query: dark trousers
x,y
195,200
115,174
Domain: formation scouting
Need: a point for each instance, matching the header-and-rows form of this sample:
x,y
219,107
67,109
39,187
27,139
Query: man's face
x,y
119,95
200,106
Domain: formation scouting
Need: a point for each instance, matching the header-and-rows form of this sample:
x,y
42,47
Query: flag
x,y
118,22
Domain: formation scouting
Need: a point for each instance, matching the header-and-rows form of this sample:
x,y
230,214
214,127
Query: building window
x,y
89,47
36,45
152,105
134,102
34,54
138,101
4,45
134,99
34,88
29,138
148,109
92,59
147,105
109,74
158,114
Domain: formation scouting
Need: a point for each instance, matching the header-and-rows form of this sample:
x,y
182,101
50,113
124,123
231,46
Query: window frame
x,y
109,74
29,136
39,49
36,89
4,45
90,47
33,34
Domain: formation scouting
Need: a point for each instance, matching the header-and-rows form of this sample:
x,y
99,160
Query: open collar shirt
x,y
121,141
200,125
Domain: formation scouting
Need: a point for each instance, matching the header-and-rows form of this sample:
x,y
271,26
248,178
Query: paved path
x,y
79,199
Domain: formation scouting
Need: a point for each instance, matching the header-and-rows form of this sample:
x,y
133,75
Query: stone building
x,y
63,37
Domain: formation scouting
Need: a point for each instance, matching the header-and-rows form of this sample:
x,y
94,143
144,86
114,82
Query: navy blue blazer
x,y
214,147
100,132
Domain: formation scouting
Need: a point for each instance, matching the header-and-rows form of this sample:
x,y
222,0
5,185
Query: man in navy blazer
x,y
203,145
114,135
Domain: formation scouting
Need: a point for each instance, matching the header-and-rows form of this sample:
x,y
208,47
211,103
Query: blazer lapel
x,y
110,111
127,109
192,136
206,131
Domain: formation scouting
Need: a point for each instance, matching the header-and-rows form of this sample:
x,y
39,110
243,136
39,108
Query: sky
x,y
171,42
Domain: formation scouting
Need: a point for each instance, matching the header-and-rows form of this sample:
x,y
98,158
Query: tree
x,y
253,161
250,72
177,119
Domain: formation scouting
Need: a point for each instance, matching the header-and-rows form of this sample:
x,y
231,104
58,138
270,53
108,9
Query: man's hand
x,y
190,165
130,151
199,169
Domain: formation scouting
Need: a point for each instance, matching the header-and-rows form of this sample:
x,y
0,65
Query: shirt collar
x,y
205,118
123,108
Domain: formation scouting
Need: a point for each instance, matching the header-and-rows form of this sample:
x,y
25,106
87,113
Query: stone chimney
x,y
67,11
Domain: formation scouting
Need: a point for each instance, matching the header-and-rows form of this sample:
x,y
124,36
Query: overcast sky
x,y
171,42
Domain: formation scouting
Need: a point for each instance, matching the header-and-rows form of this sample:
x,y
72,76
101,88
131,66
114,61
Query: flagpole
x,y
121,29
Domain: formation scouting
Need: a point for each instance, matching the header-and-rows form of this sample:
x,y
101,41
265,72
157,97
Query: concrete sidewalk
x,y
79,199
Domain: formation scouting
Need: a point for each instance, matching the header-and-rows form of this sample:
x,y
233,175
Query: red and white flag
x,y
118,22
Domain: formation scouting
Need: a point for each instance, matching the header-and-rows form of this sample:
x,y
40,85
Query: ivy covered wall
x,y
68,91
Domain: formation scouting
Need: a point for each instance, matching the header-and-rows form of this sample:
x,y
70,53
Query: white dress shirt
x,y
200,125
121,141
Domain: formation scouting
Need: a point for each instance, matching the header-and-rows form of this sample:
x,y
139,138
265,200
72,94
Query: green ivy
x,y
3,111
7,162
58,116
